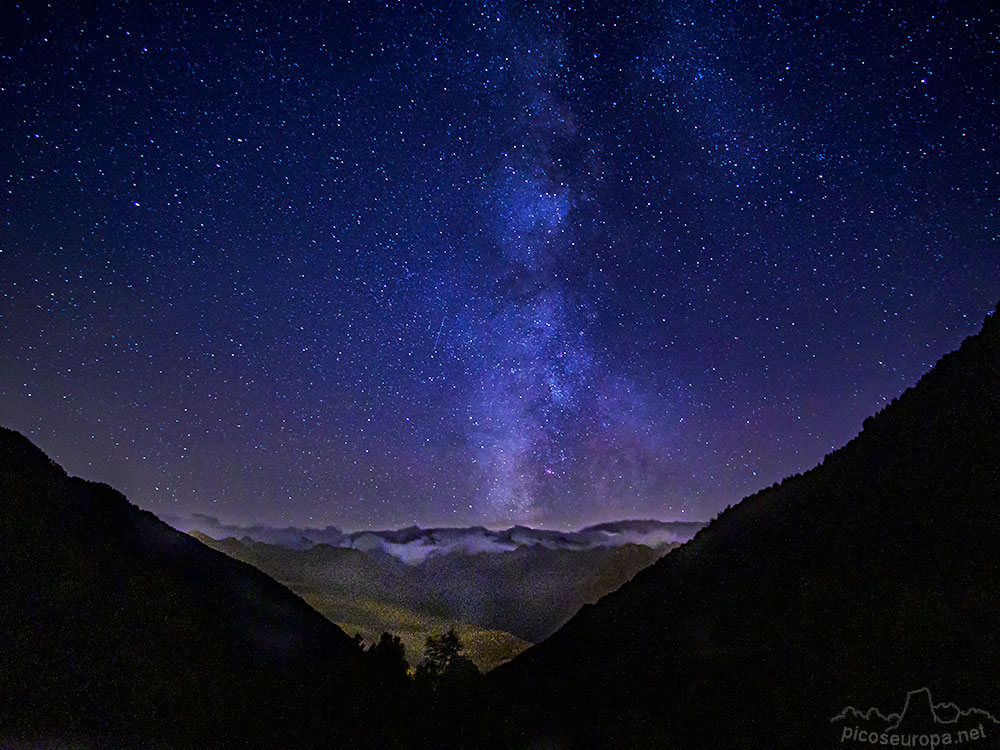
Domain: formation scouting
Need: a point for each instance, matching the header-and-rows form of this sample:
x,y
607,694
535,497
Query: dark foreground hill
x,y
118,631
871,576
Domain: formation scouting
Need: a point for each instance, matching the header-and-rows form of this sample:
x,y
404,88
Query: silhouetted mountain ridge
x,y
869,575
117,630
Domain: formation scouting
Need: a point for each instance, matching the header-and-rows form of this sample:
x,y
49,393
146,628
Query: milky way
x,y
370,264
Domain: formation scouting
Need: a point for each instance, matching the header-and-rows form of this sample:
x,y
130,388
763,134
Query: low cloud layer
x,y
413,544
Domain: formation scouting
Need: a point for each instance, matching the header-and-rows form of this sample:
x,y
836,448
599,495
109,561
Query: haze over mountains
x,y
414,544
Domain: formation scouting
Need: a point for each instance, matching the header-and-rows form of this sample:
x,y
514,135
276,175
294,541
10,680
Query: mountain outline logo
x,y
920,723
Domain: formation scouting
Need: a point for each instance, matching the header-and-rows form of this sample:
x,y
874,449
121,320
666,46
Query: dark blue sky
x,y
379,263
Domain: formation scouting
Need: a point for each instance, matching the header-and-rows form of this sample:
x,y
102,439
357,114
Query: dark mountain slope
x,y
872,575
116,630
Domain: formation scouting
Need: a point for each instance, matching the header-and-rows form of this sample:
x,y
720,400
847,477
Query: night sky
x,y
371,264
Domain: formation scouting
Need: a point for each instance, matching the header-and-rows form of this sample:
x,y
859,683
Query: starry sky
x,y
378,263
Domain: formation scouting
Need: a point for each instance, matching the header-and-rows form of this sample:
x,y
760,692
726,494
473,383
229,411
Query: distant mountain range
x,y
500,601
871,575
414,545
502,590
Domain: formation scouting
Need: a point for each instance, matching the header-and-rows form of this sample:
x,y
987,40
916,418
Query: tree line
x,y
433,697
